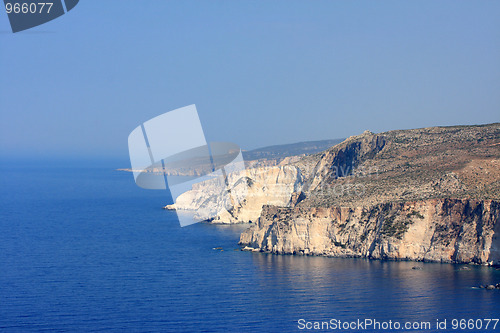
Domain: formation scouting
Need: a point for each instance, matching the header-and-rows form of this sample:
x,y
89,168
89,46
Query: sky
x,y
260,72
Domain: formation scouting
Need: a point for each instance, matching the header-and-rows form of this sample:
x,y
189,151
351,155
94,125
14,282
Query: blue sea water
x,y
82,249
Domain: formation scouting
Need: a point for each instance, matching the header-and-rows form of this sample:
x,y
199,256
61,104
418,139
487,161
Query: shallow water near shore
x,y
85,249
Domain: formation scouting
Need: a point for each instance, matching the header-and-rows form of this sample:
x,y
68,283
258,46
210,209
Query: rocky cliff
x,y
253,188
446,230
425,194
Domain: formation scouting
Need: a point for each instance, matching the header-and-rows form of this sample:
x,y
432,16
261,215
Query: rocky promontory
x,y
256,187
429,194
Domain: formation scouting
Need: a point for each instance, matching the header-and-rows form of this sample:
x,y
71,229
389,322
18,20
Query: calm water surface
x,y
84,249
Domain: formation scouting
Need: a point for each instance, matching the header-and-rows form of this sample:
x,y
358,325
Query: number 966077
x,y
28,8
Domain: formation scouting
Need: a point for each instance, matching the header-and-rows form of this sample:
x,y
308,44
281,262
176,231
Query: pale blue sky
x,y
259,72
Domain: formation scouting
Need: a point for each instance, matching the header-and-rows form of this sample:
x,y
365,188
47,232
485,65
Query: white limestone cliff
x,y
249,191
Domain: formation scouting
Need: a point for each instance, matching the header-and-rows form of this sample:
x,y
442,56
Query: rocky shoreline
x,y
421,231
428,194
490,286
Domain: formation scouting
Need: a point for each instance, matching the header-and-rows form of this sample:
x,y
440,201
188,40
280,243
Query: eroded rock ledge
x,y
278,185
443,230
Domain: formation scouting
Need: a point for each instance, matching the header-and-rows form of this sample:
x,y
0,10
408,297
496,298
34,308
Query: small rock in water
x,y
490,287
219,248
482,286
464,268
418,268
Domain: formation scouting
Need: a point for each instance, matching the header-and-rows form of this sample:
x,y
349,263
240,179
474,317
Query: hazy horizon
x,y
64,157
260,73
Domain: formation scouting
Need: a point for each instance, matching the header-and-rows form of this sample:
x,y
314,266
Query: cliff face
x,y
446,230
254,188
427,194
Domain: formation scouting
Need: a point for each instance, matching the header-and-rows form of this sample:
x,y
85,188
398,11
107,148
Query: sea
x,y
83,249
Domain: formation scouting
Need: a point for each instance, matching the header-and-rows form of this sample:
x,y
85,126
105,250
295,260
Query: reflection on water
x,y
380,289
